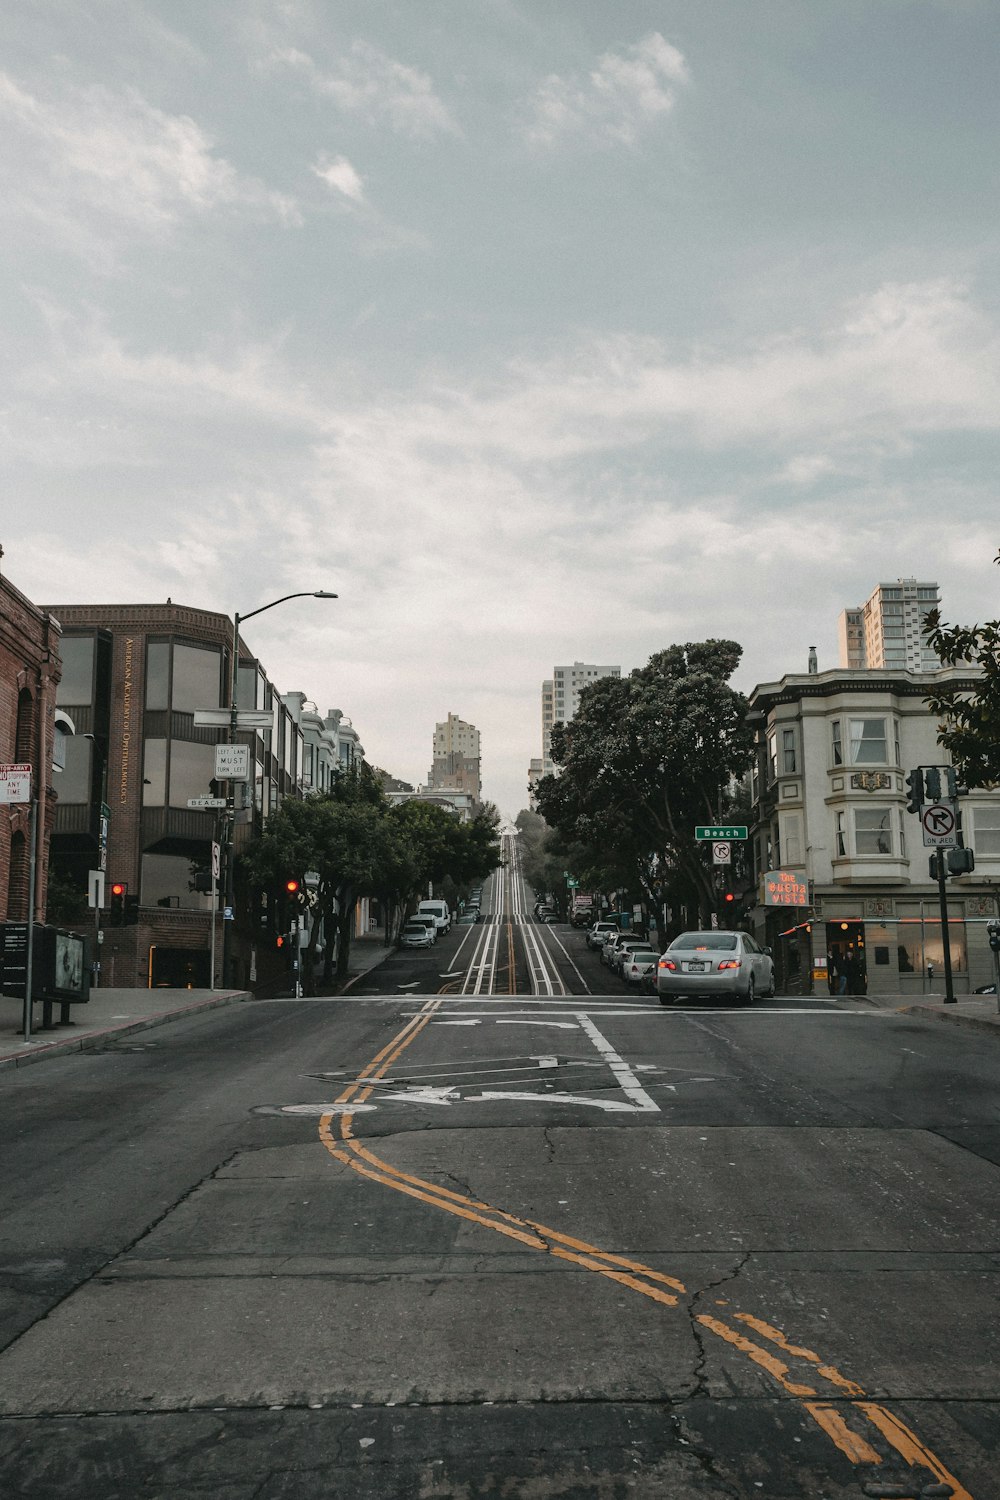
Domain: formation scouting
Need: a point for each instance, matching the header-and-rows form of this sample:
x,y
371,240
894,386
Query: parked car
x,y
597,933
439,910
636,963
427,921
416,935
727,964
468,918
614,941
620,954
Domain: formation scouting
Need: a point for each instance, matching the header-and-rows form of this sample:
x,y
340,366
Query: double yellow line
x,y
802,1385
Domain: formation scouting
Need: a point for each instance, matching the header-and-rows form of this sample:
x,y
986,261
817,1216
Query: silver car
x,y
730,965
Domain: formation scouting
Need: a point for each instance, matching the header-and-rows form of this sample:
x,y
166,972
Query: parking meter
x,y
993,933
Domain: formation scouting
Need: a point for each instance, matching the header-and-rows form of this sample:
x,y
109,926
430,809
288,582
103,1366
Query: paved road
x,y
573,1245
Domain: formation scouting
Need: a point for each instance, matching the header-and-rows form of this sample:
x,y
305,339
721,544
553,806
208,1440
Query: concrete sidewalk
x,y
113,1013
977,1011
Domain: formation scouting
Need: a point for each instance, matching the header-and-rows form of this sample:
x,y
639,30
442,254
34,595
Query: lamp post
x,y
230,817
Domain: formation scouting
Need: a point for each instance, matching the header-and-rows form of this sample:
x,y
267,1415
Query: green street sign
x,y
572,884
727,831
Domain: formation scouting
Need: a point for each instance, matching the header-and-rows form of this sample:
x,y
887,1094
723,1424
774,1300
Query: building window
x,y
986,820
788,751
838,752
872,830
197,678
841,835
192,767
772,757
158,675
868,745
77,684
154,773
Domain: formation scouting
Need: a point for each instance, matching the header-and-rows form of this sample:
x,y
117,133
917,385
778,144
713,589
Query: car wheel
x,y
771,987
750,994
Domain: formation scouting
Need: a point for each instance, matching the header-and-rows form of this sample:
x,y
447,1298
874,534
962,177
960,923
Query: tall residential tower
x,y
561,698
889,631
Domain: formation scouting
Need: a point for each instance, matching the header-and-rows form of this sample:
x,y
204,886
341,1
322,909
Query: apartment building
x,y
457,762
829,808
561,698
889,630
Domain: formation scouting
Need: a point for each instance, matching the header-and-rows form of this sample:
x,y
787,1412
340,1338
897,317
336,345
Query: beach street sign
x,y
207,802
724,831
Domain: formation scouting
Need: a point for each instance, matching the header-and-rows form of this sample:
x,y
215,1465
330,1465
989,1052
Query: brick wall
x,y
29,672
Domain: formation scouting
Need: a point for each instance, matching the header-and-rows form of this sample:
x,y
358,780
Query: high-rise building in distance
x,y
457,763
561,698
889,631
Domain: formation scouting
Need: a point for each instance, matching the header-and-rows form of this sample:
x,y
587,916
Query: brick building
x,y
29,674
133,677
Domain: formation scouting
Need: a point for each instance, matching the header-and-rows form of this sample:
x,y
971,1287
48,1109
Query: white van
x,y
439,911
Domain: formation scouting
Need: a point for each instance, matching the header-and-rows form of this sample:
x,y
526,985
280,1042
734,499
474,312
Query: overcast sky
x,y
538,331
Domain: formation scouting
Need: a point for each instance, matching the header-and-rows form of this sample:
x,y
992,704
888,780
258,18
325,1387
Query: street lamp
x,y
230,821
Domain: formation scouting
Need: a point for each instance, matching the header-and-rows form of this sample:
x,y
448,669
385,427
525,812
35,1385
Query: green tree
x,y
342,836
645,759
970,728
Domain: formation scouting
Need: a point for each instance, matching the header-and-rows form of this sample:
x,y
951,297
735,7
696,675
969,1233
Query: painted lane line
x,y
452,974
627,1081
547,1062
423,1096
473,1022
411,986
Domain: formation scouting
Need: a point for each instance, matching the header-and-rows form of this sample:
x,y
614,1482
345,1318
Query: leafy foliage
x,y
970,730
648,757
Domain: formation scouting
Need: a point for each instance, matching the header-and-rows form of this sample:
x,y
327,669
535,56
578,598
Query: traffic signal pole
x,y
949,988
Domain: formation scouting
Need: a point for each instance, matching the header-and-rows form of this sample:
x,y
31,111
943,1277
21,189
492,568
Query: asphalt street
x,y
429,1241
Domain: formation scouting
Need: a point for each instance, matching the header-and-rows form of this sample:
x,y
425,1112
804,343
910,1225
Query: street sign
x,y
724,831
216,861
15,783
722,853
939,825
206,802
95,889
246,718
232,762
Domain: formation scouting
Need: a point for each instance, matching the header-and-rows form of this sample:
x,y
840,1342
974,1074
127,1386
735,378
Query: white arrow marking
x,y
453,974
613,1106
627,1081
411,986
563,1025
456,1023
546,1062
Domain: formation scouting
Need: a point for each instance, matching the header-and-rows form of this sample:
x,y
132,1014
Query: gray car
x,y
730,965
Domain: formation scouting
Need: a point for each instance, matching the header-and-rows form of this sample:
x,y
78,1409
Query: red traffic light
x,y
291,887
118,889
729,897
279,941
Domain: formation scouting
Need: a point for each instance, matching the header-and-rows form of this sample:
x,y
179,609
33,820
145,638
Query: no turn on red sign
x,y
939,825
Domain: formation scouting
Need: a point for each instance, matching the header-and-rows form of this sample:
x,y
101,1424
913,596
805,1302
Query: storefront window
x,y
197,678
77,683
872,830
165,880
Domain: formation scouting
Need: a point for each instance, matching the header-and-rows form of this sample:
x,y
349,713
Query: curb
x,y
974,1023
90,1039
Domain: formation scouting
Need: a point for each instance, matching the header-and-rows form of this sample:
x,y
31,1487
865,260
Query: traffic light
x,y
961,861
131,911
933,866
932,784
119,891
294,894
952,783
914,791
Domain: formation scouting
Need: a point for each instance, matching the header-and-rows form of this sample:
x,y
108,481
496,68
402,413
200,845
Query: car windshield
x,y
718,942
